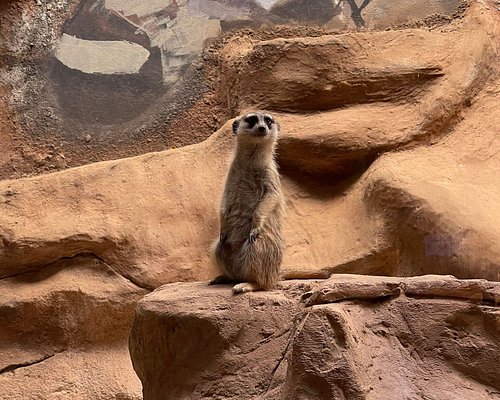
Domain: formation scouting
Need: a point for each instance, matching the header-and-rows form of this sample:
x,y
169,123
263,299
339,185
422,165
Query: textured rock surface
x,y
64,333
152,217
71,102
352,337
441,213
389,155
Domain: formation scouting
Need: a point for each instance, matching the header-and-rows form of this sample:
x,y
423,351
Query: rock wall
x,y
64,333
388,154
389,185
92,80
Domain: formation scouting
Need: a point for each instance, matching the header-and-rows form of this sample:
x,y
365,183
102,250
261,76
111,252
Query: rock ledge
x,y
349,337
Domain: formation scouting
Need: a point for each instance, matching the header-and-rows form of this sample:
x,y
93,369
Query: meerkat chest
x,y
248,187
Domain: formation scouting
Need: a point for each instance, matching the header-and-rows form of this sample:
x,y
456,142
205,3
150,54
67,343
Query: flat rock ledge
x,y
347,337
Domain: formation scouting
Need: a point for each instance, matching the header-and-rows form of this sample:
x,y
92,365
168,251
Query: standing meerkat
x,y
250,247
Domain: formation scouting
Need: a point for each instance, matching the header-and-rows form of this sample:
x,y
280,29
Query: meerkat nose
x,y
262,129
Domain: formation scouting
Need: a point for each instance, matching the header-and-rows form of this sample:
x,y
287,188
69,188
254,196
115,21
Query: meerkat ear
x,y
278,126
236,124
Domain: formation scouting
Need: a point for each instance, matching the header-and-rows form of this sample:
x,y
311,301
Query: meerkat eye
x,y
268,120
251,120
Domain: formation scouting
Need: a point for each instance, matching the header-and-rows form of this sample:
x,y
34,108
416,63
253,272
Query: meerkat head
x,y
256,127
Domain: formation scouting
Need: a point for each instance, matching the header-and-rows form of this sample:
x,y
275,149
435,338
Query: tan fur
x,y
250,247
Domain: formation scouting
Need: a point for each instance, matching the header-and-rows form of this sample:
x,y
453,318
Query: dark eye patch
x,y
269,121
251,121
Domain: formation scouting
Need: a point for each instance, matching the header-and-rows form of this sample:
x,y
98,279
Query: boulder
x,y
346,337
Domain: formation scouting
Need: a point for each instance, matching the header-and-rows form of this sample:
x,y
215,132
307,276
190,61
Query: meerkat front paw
x,y
245,287
254,234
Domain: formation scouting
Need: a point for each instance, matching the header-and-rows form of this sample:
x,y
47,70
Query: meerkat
x,y
250,246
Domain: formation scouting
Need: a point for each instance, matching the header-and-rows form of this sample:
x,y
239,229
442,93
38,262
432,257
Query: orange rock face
x,y
389,154
351,337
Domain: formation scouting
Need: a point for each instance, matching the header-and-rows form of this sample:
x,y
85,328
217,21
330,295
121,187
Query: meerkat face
x,y
256,126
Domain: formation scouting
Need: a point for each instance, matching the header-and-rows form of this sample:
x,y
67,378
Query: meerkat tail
x,y
218,257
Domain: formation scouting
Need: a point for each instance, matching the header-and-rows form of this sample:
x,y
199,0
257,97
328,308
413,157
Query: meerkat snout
x,y
257,125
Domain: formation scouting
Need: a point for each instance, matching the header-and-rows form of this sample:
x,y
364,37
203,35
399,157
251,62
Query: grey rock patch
x,y
101,57
138,8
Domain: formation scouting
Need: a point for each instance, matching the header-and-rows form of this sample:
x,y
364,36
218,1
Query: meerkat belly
x,y
242,204
239,220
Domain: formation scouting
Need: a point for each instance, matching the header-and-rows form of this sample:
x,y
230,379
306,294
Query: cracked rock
x,y
194,341
64,332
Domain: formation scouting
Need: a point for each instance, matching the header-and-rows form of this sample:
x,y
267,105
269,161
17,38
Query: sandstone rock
x,y
445,286
341,287
446,207
209,338
371,100
89,374
389,157
325,73
347,287
192,341
123,212
345,210
64,330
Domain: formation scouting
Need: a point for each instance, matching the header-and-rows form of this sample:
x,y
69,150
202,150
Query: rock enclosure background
x,y
388,153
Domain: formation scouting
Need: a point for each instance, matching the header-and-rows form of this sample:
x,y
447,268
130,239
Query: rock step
x,y
351,336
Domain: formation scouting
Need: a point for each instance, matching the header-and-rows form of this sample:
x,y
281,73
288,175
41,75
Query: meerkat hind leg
x,y
245,287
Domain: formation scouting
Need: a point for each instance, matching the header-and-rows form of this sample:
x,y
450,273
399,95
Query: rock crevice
x,y
13,367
